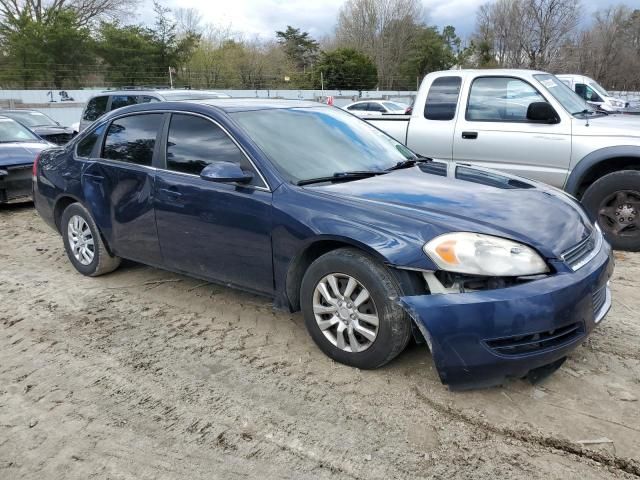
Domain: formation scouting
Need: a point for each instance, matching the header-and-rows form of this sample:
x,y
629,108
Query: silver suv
x,y
111,99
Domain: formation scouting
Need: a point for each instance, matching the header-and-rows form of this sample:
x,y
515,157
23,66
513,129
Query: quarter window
x,y
85,146
132,139
195,142
95,108
500,99
442,98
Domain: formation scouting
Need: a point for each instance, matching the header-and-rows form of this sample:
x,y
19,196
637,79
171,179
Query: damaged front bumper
x,y
479,338
15,182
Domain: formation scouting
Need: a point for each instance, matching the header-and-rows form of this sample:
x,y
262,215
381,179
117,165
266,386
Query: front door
x,y
494,132
213,230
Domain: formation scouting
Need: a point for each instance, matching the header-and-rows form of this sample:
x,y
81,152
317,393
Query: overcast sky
x,y
263,17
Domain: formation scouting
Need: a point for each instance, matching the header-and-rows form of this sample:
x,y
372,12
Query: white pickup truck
x,y
531,124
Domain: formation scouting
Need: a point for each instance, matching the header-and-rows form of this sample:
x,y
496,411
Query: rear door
x,y
122,179
220,231
493,131
431,131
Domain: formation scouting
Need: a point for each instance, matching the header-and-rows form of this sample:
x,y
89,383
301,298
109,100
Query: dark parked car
x,y
45,127
19,147
326,214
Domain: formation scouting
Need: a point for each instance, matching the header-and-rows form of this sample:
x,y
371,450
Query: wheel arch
x,y
599,163
60,206
322,245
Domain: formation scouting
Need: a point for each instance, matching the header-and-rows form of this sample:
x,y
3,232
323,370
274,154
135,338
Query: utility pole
x,y
322,83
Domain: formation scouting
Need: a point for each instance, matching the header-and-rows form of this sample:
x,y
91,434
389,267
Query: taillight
x,y
34,171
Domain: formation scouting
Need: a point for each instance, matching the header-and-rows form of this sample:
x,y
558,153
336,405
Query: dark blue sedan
x,y
500,276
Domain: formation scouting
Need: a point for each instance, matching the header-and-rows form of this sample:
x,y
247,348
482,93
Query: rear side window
x,y
147,99
95,108
376,107
442,98
85,146
501,99
195,142
119,101
358,107
132,139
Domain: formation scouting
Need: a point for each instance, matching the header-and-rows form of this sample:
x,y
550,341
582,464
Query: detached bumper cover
x,y
478,339
15,182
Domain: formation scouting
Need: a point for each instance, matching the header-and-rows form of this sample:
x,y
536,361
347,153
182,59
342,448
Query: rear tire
x,y
83,243
367,295
614,200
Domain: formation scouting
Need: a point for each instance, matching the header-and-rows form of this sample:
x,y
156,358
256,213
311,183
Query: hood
x,y
462,198
52,130
608,125
20,153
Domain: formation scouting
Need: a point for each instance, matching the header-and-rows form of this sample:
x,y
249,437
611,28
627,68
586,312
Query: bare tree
x,y
188,21
86,10
527,33
383,29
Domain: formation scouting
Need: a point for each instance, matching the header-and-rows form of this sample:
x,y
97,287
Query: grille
x,y
579,254
599,299
536,342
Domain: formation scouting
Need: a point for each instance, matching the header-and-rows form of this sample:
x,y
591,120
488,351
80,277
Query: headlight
x,y
478,254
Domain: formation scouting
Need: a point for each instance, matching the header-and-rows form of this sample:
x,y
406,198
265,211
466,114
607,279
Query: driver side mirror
x,y
225,172
542,112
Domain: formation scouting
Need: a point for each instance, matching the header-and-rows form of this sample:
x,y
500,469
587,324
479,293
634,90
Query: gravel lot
x,y
146,374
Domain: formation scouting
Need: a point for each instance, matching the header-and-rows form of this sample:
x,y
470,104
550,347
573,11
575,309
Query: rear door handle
x,y
171,192
88,176
470,135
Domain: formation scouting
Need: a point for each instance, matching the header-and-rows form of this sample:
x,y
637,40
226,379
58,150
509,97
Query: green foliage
x,y
299,47
345,69
432,50
49,51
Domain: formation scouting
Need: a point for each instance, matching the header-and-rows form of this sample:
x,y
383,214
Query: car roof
x,y
246,104
159,92
18,110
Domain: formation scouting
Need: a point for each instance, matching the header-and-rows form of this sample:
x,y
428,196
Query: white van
x,y
593,92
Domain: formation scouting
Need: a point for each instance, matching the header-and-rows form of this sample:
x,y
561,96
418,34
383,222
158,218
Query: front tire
x,y
83,243
350,308
614,200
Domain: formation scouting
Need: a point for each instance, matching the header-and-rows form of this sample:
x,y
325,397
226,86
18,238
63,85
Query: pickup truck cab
x,y
529,123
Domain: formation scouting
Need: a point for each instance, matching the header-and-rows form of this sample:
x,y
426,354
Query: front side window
x,y
119,101
85,146
500,99
588,93
306,143
95,108
132,139
442,98
195,142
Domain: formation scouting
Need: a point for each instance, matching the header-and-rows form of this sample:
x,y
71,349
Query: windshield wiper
x,y
584,112
409,163
342,176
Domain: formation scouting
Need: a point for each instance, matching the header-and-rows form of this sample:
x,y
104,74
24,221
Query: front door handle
x,y
470,135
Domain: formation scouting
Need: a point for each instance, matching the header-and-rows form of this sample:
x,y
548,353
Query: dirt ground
x,y
144,374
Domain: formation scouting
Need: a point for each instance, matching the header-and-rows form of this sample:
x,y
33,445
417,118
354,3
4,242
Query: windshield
x,y
31,119
596,86
307,143
569,99
12,131
171,96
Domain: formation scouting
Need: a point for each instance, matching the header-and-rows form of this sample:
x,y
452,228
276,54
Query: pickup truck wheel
x,y
615,201
348,300
83,243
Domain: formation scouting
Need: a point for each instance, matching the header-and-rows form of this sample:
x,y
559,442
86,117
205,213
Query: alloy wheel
x,y
80,240
345,312
619,213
